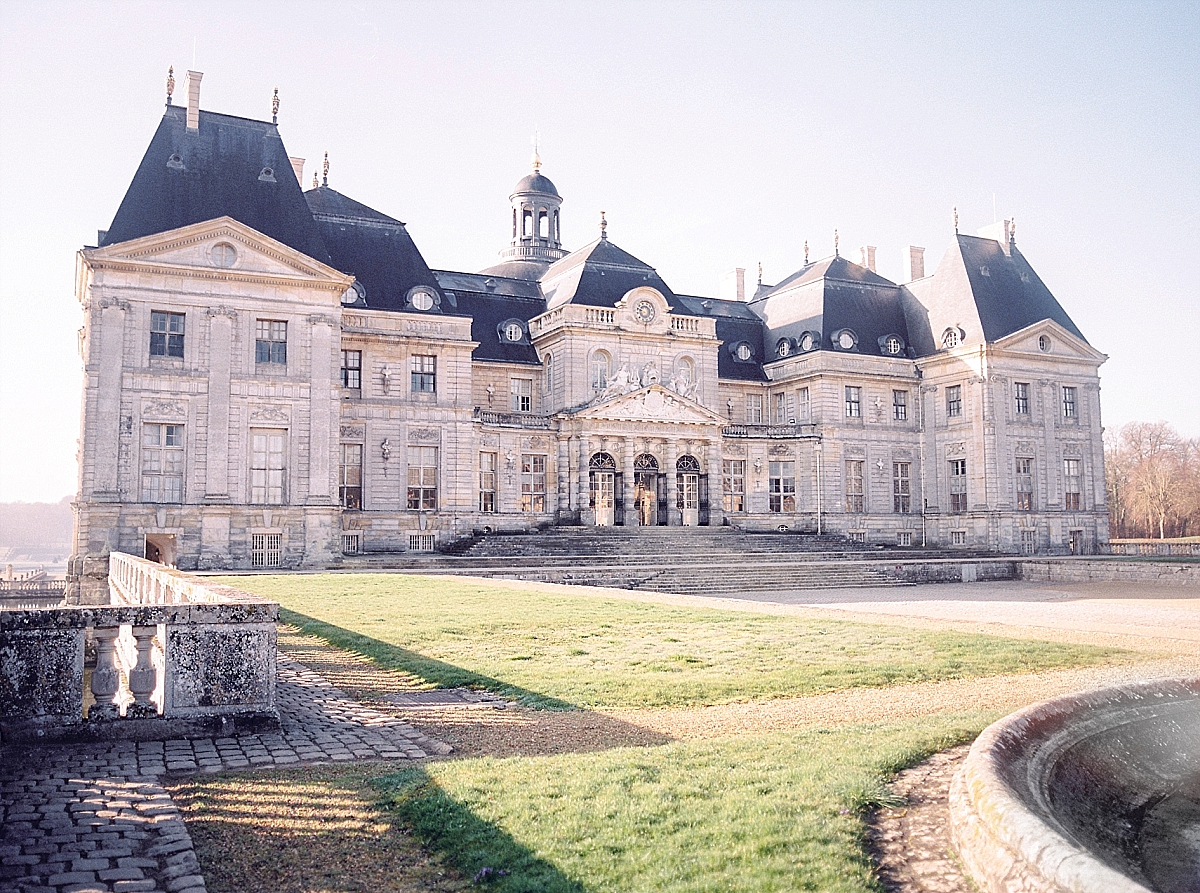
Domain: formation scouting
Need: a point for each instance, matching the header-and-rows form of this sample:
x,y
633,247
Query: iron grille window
x,y
853,402
781,486
902,487
268,465
854,486
1068,402
350,476
1073,479
958,485
423,368
533,483
487,482
266,549
734,473
1021,398
270,341
166,334
162,463
422,478
521,390
1024,485
352,369
954,401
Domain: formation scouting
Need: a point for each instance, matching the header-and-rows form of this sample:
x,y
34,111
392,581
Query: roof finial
x,y
537,158
315,183
603,228
760,272
806,252
275,107
956,220
1012,231
170,83
835,244
325,171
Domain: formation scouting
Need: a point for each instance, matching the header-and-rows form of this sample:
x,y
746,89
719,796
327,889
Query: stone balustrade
x,y
175,656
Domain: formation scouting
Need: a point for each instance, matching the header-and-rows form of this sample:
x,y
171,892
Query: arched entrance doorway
x,y
691,488
604,485
649,492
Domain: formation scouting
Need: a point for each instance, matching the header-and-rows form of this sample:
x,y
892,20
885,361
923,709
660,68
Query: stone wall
x,y
1077,570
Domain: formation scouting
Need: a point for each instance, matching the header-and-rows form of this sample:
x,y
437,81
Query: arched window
x,y
526,222
688,464
645,462
543,223
951,338
600,369
548,363
555,234
602,462
514,223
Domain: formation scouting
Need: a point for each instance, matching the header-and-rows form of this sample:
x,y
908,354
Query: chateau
x,y
275,376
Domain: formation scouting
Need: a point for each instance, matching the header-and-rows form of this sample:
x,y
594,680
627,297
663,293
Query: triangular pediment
x,y
220,247
1049,340
650,404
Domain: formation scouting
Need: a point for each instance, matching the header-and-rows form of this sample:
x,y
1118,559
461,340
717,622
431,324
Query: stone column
x,y
582,480
563,476
220,346
106,432
673,518
631,519
1050,427
320,416
716,485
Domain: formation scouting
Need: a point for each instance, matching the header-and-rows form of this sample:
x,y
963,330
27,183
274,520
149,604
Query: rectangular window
x,y
266,549
958,537
958,485
904,538
954,401
780,409
487,482
350,476
268,464
804,403
351,542
162,463
853,402
352,369
424,373
754,409
900,406
599,370
902,487
854,486
270,341
1021,397
1028,541
533,483
166,334
1024,485
422,478
782,486
857,536
521,390
1068,403
1073,484
733,471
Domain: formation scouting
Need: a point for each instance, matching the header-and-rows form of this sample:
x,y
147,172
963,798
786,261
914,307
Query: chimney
x,y
193,99
916,263
868,257
1002,232
298,167
733,285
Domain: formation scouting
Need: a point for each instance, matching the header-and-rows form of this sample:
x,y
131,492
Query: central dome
x,y
535,182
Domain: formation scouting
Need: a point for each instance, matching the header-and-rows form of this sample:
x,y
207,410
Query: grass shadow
x,y
431,670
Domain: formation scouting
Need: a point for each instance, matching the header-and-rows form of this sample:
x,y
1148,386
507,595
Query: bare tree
x,y
1152,451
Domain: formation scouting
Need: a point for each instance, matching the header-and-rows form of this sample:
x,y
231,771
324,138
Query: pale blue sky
x,y
715,135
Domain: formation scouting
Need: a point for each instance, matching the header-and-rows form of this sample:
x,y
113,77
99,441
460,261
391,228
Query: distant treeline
x,y
36,523
1153,481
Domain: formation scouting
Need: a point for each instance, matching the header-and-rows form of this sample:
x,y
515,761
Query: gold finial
x,y
603,228
956,220
835,244
537,157
315,183
325,171
806,252
760,272
275,107
170,83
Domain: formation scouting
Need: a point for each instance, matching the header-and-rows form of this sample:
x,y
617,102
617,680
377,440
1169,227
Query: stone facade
x,y
275,389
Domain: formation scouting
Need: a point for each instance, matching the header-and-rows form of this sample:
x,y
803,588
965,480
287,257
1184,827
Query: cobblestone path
x,y
92,817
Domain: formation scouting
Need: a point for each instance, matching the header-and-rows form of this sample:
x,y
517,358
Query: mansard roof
x,y
599,275
227,167
489,312
375,248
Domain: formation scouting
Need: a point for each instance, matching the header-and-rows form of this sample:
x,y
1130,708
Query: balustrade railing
x,y
1187,547
513,419
185,655
770,431
690,324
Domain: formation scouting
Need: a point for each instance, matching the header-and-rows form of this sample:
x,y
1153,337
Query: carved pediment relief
x,y
163,409
651,404
269,414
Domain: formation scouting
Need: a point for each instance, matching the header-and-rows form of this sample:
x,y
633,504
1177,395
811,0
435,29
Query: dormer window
x,y
784,348
952,337
743,352
422,298
807,342
511,331
845,339
267,175
891,345
355,294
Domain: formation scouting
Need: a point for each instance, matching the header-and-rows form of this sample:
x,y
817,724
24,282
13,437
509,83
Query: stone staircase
x,y
696,560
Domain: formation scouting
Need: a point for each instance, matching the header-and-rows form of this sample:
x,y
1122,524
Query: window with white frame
x,y
352,369
1024,484
853,402
958,537
1072,484
781,485
487,482
521,394
166,334
958,485
1028,541
162,463
270,342
600,370
754,409
733,472
533,483
1068,403
780,413
1021,397
422,478
854,486
548,372
423,372
857,536
350,476
900,406
904,538
954,401
266,549
268,465
902,487
803,405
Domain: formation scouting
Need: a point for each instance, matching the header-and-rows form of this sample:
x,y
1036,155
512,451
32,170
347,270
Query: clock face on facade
x,y
644,311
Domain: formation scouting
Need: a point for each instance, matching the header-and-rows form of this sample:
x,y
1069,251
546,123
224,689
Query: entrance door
x,y
602,481
645,489
688,482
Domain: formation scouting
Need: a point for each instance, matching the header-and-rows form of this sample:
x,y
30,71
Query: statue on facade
x,y
650,374
622,382
683,385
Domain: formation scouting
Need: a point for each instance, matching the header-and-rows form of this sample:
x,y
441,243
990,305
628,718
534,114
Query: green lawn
x,y
562,650
776,812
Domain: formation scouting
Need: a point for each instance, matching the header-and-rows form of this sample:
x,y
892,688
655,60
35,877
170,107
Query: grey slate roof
x,y
535,182
599,275
218,170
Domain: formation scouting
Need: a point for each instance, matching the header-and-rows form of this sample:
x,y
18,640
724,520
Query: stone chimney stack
x,y
1002,232
733,285
193,99
916,263
298,167
868,257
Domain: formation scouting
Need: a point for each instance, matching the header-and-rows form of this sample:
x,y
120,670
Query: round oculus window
x,y
893,345
950,338
784,348
743,352
846,339
421,299
224,255
1044,344
644,311
806,341
512,332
